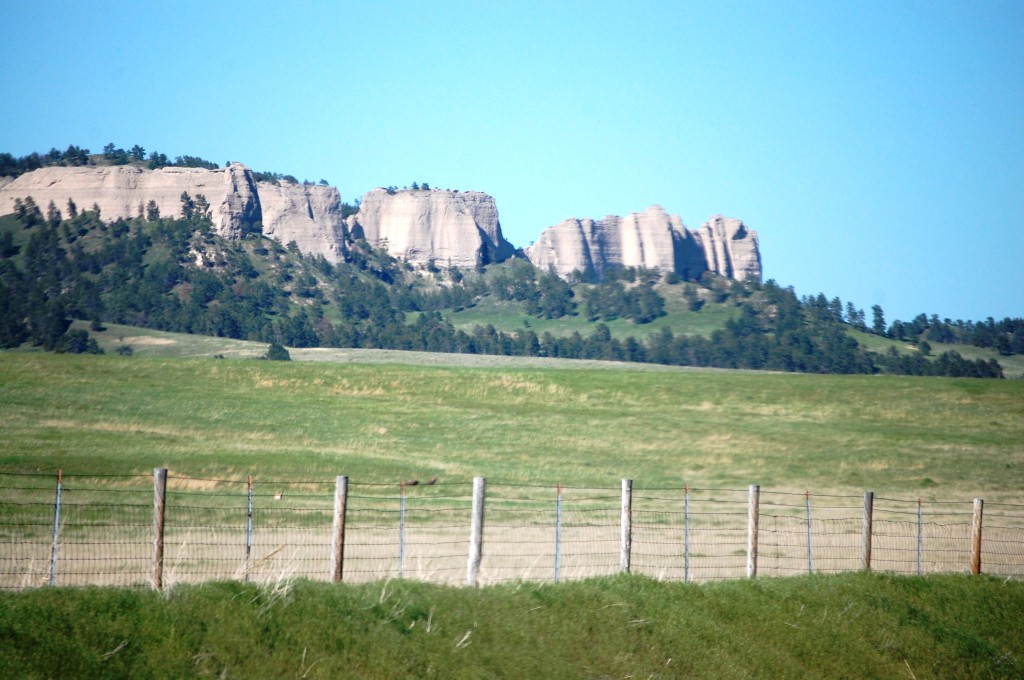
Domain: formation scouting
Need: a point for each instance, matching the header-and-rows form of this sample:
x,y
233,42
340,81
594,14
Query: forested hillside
x,y
59,263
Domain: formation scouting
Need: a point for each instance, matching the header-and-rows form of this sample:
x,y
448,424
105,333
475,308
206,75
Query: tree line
x,y
76,156
177,275
627,293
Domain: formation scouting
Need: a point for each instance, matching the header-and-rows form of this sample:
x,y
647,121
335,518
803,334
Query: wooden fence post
x,y
866,530
476,532
401,531
558,533
248,527
920,537
626,526
338,530
810,546
753,516
979,506
686,534
56,528
159,501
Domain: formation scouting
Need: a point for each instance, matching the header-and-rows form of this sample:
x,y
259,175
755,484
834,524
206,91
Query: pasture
x,y
535,422
380,417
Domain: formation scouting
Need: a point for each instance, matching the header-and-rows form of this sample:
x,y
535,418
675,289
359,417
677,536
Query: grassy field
x,y
384,416
510,317
850,626
1013,366
939,438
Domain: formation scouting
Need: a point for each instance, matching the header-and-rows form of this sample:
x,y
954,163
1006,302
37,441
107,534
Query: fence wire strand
x,y
102,532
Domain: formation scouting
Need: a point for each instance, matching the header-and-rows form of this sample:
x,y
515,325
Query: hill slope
x,y
940,438
851,626
177,275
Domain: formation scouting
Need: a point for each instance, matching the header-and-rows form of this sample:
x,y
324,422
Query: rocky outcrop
x,y
450,228
652,239
731,249
308,215
240,207
123,192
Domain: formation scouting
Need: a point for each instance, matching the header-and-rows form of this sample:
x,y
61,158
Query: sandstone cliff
x,y
308,215
652,239
123,191
447,227
451,228
731,249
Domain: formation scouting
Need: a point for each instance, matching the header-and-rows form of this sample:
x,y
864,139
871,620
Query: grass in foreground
x,y
854,625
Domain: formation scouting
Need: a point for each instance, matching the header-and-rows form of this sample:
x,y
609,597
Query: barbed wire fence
x,y
162,529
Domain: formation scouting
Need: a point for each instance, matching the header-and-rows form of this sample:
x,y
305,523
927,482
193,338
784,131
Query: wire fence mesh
x,y
101,530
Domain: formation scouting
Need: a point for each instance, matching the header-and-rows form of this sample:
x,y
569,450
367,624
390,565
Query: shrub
x,y
277,352
78,341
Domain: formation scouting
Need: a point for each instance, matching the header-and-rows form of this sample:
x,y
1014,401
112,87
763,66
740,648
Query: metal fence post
x,y
401,531
338,530
753,516
558,533
626,526
159,502
248,527
810,551
686,534
979,507
56,528
866,530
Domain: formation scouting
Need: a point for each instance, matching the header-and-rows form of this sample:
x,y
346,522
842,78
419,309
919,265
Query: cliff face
x,y
731,249
448,227
651,239
124,191
308,215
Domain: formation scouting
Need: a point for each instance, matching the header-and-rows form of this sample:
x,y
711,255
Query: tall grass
x,y
856,625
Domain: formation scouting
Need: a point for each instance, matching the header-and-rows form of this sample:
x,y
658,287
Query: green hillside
x,y
178,275
936,437
511,316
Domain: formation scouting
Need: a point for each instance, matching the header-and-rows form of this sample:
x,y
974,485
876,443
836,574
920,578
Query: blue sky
x,y
876,147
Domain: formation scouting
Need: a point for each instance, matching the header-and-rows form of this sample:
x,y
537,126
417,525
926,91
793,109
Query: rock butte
x,y
308,215
445,227
452,228
651,239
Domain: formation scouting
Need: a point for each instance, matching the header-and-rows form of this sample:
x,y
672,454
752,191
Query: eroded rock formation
x,y
652,239
731,249
450,228
308,215
124,190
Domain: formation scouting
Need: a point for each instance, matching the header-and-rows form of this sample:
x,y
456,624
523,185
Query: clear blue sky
x,y
876,147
